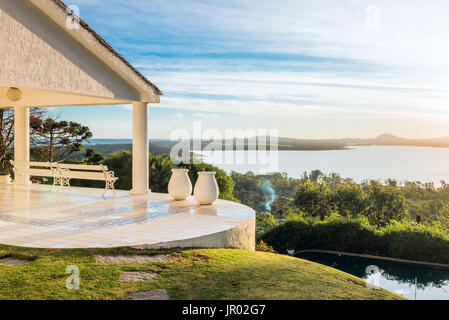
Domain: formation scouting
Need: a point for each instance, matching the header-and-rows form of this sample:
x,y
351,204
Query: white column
x,y
140,149
21,144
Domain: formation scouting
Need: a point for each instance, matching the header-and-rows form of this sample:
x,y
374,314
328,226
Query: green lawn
x,y
190,274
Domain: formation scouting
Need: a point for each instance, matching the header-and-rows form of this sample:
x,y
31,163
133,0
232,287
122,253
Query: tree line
x,y
320,195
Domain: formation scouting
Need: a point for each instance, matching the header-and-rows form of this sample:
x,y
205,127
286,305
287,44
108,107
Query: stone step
x,y
159,294
13,262
130,259
138,276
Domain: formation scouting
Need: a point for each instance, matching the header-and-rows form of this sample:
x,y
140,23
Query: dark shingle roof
x,y
83,24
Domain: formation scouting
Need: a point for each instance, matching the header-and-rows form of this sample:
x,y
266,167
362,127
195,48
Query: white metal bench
x,y
86,172
38,169
62,173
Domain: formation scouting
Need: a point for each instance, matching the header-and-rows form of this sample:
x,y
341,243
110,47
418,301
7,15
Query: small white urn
x,y
5,179
206,188
179,186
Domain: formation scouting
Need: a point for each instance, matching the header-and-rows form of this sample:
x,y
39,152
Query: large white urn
x,y
206,188
179,186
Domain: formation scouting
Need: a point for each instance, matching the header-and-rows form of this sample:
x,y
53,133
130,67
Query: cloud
x,y
205,115
127,107
410,31
289,59
298,94
178,115
358,104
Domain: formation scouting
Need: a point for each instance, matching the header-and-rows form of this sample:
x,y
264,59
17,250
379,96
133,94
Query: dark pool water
x,y
432,282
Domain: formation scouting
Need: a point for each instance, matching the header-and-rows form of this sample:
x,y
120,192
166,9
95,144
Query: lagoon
x,y
402,163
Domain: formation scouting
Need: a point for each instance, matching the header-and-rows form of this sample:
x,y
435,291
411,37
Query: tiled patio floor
x,y
36,216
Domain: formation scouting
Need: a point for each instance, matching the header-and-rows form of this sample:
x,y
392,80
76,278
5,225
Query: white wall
x,y
36,53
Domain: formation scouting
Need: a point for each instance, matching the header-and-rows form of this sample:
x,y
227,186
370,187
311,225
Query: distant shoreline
x,y
165,147
300,144
290,145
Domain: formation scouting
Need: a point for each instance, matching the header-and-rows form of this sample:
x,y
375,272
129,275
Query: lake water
x,y
432,282
402,163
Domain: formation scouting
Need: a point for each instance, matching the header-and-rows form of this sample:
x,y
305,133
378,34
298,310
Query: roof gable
x,y
104,43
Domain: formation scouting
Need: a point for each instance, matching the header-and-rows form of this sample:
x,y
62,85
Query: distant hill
x,y
392,140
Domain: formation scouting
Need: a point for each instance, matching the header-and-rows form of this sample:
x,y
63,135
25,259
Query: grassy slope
x,y
190,274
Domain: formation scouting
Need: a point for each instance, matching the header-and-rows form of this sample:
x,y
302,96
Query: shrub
x,y
121,163
262,246
264,222
160,172
402,240
314,198
412,241
385,204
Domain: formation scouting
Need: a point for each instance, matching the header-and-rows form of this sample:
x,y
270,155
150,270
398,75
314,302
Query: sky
x,y
309,69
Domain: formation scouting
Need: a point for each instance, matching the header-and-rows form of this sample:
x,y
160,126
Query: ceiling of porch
x,y
32,97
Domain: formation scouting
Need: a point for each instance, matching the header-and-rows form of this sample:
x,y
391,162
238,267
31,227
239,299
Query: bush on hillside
x,y
402,240
121,163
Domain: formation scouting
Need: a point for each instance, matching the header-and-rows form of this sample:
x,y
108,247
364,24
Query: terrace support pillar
x,y
21,145
141,150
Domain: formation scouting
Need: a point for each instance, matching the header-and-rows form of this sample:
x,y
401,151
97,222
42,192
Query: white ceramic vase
x,y
206,188
179,186
5,179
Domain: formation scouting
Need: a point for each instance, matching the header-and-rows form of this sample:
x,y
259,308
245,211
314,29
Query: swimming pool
x,y
432,282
